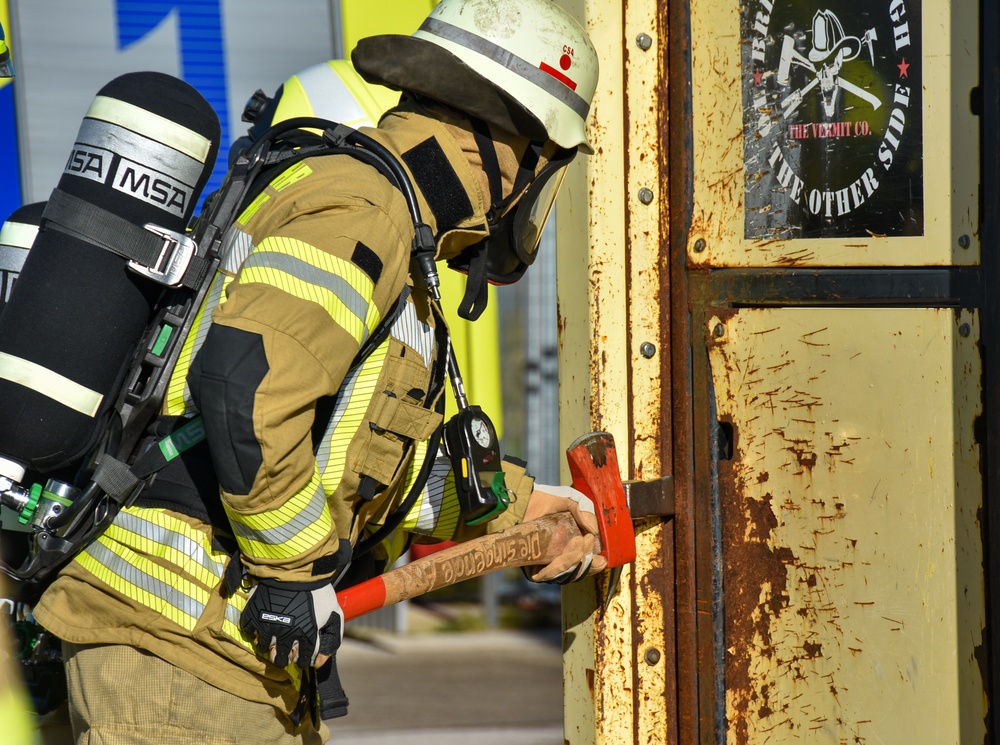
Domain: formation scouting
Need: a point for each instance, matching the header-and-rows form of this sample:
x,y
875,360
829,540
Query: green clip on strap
x,y
119,480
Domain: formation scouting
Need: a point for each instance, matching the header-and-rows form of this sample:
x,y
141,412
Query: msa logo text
x,y
152,187
87,162
275,618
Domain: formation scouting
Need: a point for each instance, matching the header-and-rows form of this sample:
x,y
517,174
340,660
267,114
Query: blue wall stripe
x,y
203,54
10,177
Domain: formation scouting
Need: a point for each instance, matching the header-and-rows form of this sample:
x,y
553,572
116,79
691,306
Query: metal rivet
x,y
644,42
647,350
719,331
964,330
699,245
645,195
652,656
964,241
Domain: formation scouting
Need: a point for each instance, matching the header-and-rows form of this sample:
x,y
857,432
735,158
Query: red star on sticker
x,y
757,75
903,67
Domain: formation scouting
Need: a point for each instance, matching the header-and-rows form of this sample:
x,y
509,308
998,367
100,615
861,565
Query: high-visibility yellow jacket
x,y
314,263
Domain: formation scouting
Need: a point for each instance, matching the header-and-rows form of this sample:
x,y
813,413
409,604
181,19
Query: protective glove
x,y
286,621
577,560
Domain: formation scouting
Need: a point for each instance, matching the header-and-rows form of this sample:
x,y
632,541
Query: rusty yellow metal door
x,y
791,243
834,274
848,524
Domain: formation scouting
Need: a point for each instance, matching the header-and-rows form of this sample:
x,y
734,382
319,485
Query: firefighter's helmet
x,y
525,66
829,38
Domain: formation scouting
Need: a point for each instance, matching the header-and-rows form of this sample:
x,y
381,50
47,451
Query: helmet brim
x,y
408,63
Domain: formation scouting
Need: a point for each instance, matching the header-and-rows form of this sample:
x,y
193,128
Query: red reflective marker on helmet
x,y
562,78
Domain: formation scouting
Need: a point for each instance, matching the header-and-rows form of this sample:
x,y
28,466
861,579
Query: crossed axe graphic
x,y
827,76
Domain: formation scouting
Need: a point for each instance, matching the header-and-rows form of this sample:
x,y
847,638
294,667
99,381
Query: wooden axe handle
x,y
527,544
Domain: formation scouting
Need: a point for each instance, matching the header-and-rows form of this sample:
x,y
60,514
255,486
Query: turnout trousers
x,y
119,695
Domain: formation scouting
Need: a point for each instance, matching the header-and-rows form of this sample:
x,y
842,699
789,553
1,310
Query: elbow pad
x,y
224,380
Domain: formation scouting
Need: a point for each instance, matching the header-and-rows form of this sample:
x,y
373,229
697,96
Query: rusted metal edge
x,y
989,96
953,286
650,498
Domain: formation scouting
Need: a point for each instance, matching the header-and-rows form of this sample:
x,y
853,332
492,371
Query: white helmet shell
x,y
526,66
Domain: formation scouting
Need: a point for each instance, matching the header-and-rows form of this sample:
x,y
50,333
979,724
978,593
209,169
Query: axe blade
x,y
593,464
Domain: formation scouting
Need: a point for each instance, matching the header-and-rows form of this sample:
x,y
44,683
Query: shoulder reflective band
x,y
50,384
18,234
153,125
505,58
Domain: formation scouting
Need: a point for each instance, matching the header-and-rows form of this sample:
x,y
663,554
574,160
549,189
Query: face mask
x,y
516,226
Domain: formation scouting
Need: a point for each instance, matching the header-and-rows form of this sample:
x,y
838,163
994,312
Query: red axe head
x,y
593,464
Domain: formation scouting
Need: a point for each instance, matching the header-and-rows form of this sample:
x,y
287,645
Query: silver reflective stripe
x,y
340,408
170,539
158,127
505,58
413,332
432,500
282,534
18,234
50,384
212,300
12,258
138,578
313,275
233,613
236,246
98,139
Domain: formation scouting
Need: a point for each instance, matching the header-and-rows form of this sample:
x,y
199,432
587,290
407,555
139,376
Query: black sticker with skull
x,y
832,118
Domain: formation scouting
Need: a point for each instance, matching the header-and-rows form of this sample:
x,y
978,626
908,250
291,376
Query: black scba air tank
x,y
143,154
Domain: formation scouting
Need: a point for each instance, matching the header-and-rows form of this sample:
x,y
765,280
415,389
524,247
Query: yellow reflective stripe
x,y
342,289
292,175
178,397
50,384
348,417
144,581
298,525
372,318
231,621
152,125
252,208
296,173
436,512
155,533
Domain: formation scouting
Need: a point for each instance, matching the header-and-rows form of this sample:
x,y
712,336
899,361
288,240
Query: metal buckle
x,y
174,260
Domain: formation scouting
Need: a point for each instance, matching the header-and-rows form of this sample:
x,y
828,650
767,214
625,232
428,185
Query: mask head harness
x,y
515,222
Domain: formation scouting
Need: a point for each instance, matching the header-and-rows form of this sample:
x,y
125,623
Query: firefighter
x,y
205,612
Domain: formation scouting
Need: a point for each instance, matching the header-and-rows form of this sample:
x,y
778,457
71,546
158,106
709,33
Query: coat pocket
x,y
396,416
